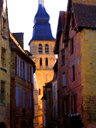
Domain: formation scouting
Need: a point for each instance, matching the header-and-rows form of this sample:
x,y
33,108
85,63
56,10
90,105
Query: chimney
x,y
20,38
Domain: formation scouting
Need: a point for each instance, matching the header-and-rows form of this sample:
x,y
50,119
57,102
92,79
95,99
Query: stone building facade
x,y
76,99
21,97
41,47
4,67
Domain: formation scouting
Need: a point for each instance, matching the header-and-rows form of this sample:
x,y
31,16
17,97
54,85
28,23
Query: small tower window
x,y
40,49
39,91
46,62
40,62
46,49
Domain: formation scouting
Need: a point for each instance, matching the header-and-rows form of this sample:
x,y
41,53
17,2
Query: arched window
x,y
39,92
46,49
40,49
40,62
46,62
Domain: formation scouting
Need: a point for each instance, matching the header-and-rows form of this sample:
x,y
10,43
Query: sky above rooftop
x,y
21,15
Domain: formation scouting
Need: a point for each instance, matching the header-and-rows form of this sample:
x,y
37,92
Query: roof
x,y
87,2
85,16
60,29
42,29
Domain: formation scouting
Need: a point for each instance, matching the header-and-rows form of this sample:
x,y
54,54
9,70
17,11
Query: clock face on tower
x,y
4,5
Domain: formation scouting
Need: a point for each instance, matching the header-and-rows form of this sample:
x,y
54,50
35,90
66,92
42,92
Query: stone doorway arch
x,y
23,124
2,125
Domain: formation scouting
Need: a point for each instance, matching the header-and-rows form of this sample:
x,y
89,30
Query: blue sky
x,y
21,15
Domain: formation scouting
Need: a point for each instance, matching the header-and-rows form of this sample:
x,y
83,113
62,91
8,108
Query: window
x,y
46,62
3,57
65,108
40,49
71,46
32,75
54,91
54,111
23,98
3,27
3,92
39,92
73,22
30,97
17,97
63,56
21,69
46,49
73,73
28,73
74,104
19,66
63,80
40,62
25,71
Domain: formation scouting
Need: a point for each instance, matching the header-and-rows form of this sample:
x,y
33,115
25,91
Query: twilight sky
x,y
21,15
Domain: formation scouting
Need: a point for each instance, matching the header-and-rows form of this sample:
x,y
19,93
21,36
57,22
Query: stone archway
x,y
2,125
23,124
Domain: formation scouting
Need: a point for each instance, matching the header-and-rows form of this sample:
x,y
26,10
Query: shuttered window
x,y
30,96
32,75
28,73
23,98
17,97
25,71
74,103
17,65
63,80
21,69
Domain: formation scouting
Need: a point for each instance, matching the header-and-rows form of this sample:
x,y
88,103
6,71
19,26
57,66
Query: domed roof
x,y
42,29
41,15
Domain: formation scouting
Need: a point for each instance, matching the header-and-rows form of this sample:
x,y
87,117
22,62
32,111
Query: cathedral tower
x,y
41,47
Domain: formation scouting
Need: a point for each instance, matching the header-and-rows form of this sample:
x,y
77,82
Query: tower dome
x,y
42,29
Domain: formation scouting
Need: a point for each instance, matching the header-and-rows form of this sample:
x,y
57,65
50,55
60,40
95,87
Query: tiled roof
x,y
85,15
87,2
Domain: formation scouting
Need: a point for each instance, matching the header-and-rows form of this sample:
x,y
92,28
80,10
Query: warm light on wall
x,y
4,5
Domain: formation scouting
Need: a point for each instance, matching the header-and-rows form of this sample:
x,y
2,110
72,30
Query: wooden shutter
x,y
28,73
71,104
63,80
53,111
19,67
30,100
25,71
17,97
23,98
75,103
32,75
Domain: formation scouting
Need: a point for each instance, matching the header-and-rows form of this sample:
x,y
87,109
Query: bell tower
x,y
41,47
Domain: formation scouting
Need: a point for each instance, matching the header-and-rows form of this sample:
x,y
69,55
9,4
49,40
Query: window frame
x,y
46,62
73,73
63,56
17,97
3,57
40,49
72,46
46,48
63,80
